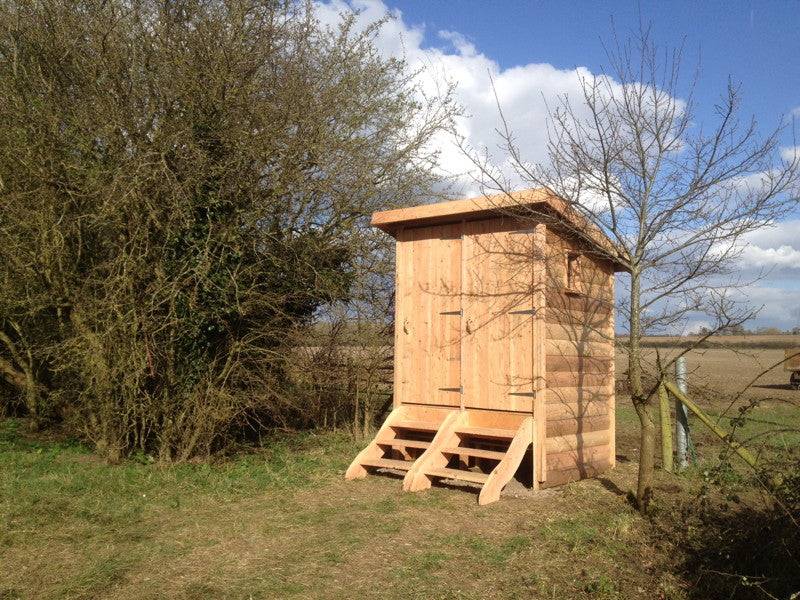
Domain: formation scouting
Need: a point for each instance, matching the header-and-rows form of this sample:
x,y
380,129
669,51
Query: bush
x,y
185,188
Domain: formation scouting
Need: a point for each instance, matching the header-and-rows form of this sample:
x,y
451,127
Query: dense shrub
x,y
185,188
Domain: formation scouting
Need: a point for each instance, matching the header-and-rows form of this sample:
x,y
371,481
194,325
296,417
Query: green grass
x,y
282,523
56,495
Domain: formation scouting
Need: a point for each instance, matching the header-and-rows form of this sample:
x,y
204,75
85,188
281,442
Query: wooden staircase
x,y
402,438
461,445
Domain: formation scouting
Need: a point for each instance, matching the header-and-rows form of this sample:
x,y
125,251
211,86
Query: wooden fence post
x,y
721,433
666,429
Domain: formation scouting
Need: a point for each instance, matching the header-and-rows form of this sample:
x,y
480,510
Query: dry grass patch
x,y
285,524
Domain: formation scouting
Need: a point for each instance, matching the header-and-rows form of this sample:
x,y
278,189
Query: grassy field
x,y
738,342
283,523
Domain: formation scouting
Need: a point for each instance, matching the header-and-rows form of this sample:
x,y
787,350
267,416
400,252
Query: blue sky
x,y
538,51
755,43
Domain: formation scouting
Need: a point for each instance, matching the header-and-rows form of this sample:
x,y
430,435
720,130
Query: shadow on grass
x,y
742,554
774,386
611,486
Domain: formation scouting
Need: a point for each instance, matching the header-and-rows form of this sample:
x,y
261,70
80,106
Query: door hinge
x,y
450,312
452,389
526,394
527,311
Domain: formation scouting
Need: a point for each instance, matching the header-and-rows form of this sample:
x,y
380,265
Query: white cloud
x,y
791,152
783,256
694,327
777,246
523,91
779,306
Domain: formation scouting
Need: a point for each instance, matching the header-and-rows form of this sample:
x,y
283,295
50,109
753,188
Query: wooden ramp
x,y
478,447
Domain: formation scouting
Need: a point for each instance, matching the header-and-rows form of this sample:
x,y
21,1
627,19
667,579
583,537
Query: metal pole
x,y
681,416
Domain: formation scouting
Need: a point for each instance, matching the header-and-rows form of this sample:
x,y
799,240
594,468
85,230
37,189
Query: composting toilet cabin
x,y
503,345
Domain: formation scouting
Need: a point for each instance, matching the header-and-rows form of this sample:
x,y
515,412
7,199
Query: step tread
x,y
488,432
401,443
476,452
458,474
420,425
388,463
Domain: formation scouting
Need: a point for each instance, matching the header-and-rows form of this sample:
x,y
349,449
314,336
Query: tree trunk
x,y
641,402
647,447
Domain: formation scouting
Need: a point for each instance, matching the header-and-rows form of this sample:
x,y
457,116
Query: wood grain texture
x,y
578,364
484,324
506,468
561,461
539,353
585,394
428,325
578,332
576,410
576,442
579,348
497,347
559,300
600,322
526,203
582,393
590,469
578,379
572,425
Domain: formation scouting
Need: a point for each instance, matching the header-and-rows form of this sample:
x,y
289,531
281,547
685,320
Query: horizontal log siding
x,y
580,367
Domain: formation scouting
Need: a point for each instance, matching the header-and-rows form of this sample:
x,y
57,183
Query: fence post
x,y
666,429
681,416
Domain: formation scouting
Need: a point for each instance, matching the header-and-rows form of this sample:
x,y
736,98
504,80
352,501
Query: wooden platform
x,y
429,444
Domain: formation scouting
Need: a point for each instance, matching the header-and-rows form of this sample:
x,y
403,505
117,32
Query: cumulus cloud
x,y
783,256
523,91
790,153
777,246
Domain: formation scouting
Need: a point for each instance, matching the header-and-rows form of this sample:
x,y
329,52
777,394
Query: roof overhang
x,y
530,203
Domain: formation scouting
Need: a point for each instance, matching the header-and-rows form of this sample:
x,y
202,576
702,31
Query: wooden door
x,y
428,316
500,359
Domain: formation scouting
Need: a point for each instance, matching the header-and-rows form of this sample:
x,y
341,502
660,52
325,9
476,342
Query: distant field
x,y
721,380
727,369
724,341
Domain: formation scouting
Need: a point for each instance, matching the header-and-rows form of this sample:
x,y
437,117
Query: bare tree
x,y
676,199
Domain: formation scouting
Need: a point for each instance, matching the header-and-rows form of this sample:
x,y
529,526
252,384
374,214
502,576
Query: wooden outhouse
x,y
503,346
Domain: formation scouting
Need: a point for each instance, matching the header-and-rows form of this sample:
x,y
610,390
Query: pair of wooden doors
x,y
467,331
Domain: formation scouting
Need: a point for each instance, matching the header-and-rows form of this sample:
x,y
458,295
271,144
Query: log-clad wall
x,y
579,362
466,336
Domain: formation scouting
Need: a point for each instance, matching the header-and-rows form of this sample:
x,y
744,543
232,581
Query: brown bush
x,y
185,188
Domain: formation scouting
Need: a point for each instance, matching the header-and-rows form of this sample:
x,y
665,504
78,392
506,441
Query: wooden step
x,y
487,432
416,425
399,443
388,463
458,474
476,452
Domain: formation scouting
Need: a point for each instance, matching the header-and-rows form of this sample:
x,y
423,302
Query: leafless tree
x,y
675,198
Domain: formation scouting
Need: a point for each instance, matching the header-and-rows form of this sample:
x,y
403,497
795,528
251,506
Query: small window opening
x,y
574,283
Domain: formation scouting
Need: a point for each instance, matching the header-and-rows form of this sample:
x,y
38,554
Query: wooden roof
x,y
485,206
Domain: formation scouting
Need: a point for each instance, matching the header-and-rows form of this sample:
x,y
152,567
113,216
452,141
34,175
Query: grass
x,y
283,523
